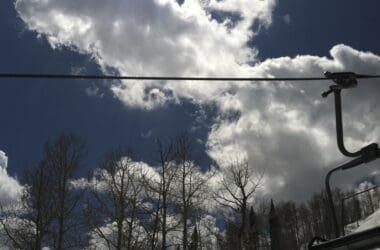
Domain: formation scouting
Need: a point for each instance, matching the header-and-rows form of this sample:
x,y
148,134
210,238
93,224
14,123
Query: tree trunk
x,y
61,215
163,209
164,225
185,229
119,234
185,214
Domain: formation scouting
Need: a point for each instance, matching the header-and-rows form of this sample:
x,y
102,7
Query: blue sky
x,y
316,26
39,110
33,111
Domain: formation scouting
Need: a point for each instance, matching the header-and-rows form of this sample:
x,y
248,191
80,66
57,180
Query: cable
x,y
166,78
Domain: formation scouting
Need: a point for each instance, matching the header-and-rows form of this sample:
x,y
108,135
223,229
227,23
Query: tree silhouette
x,y
275,228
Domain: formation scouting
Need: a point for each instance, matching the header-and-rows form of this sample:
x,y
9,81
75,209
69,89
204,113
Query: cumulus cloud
x,y
10,188
288,129
151,37
285,128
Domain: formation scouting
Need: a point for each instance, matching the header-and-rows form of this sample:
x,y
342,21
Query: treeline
x,y
296,224
126,204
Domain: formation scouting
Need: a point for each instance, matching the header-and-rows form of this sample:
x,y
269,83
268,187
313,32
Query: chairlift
x,y
368,239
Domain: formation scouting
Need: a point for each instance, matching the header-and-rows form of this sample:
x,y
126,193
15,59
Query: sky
x,y
283,129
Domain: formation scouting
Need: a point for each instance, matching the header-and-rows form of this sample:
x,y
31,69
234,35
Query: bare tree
x,y
190,185
368,200
15,231
62,160
37,200
48,202
154,196
160,193
238,185
117,195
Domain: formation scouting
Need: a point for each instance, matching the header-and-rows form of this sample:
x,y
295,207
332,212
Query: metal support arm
x,y
336,89
339,125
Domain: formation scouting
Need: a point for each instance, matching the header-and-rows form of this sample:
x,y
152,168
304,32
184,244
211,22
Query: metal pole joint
x,y
370,152
343,80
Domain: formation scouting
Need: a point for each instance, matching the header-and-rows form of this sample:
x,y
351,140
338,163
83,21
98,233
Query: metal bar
x,y
331,202
339,126
355,194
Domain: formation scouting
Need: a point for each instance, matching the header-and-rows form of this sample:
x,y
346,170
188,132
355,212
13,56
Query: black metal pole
x,y
339,126
331,202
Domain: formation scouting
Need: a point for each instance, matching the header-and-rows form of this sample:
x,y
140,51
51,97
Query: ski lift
x,y
365,239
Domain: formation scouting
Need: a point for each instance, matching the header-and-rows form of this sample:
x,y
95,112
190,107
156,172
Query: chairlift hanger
x,y
345,80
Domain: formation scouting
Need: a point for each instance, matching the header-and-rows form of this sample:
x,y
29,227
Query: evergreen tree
x,y
194,240
232,239
253,236
288,220
274,228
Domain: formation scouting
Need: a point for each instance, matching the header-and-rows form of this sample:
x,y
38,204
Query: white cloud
x,y
10,188
289,129
151,37
100,176
285,128
3,160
